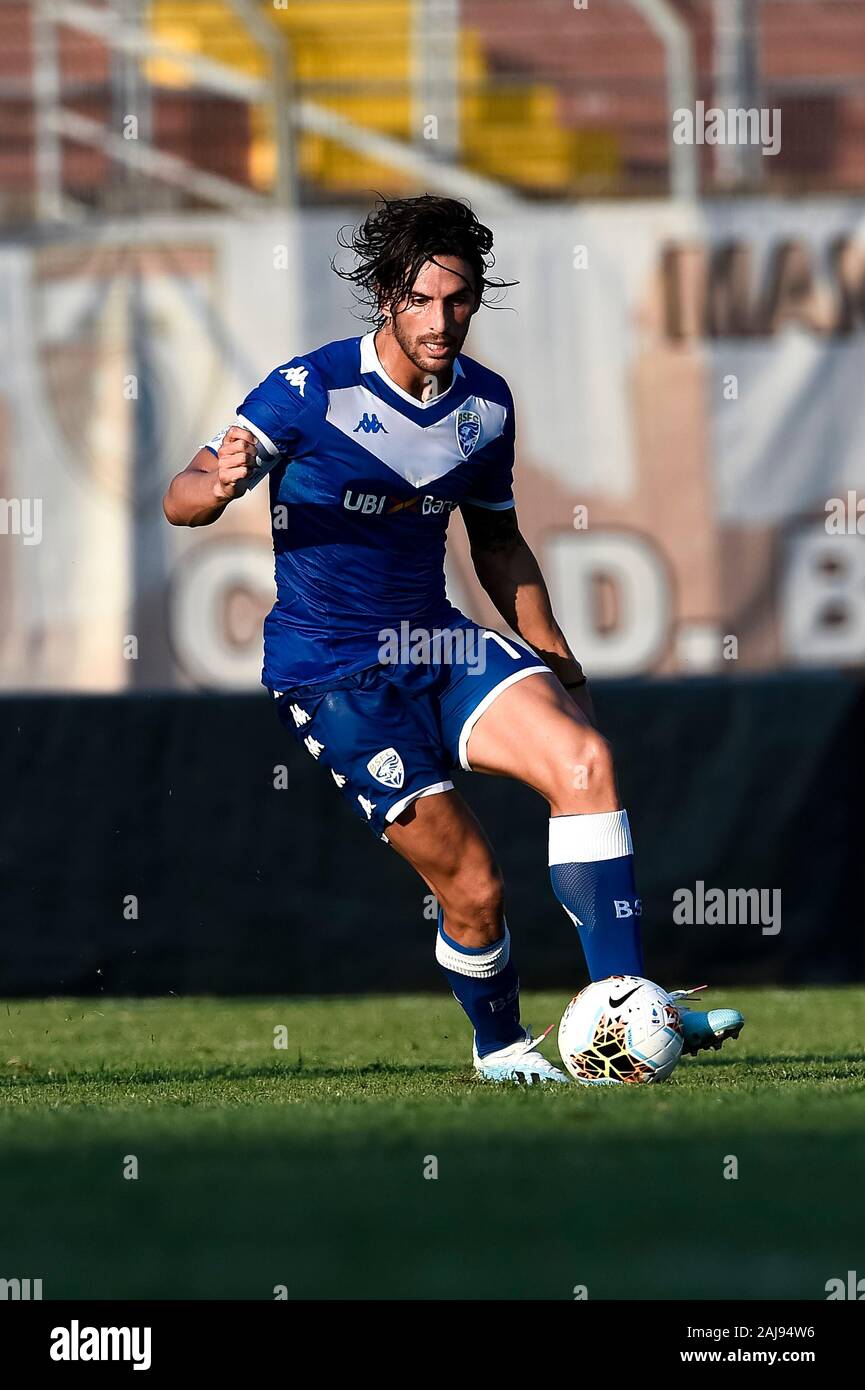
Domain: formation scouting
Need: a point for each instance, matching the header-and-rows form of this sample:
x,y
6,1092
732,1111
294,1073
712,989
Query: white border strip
x,y
399,807
259,434
369,362
589,839
477,965
485,703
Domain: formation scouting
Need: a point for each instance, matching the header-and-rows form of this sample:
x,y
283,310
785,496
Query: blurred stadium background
x,y
685,347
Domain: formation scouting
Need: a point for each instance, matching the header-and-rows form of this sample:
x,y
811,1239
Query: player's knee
x,y
596,755
583,773
474,906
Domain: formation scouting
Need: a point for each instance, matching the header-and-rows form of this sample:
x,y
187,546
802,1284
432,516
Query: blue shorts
x,y
393,732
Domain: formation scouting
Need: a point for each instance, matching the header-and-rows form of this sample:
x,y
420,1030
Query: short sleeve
x,y
274,410
493,486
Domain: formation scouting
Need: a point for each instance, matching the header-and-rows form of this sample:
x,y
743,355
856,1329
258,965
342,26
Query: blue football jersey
x,y
363,480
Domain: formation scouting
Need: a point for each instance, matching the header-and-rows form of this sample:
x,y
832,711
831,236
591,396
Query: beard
x,y
415,349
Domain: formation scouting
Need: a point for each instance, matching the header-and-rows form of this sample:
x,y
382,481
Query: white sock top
x,y
587,839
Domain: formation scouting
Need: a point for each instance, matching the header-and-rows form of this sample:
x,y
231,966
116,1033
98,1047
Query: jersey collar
x,y
369,362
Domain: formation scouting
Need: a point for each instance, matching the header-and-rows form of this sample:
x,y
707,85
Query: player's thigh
x,y
380,749
534,732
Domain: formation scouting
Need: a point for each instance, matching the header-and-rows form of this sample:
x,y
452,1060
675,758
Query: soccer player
x,y
371,443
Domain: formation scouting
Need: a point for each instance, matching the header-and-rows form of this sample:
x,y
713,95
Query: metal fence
x,y
133,106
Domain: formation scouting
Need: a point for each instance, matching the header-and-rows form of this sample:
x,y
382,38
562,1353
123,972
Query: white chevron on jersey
x,y
418,453
369,362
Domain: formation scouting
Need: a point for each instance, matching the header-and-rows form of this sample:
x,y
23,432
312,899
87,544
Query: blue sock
x,y
592,873
484,980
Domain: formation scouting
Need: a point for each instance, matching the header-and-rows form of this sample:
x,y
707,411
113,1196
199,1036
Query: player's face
x,y
431,324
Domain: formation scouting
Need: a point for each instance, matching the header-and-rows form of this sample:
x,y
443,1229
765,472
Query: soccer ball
x,y
623,1030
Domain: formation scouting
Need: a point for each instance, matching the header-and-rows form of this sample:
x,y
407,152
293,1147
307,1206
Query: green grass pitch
x,y
304,1167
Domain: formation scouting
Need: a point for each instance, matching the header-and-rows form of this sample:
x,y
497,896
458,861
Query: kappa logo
x,y
368,806
295,376
313,746
370,424
339,777
468,431
299,715
386,767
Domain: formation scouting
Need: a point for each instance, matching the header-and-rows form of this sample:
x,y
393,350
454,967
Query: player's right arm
x,y
269,429
201,493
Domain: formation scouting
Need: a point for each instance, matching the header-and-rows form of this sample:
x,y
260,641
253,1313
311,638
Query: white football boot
x,y
519,1062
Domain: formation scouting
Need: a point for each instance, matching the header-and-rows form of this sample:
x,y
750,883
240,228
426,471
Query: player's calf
x,y
473,906
443,842
591,855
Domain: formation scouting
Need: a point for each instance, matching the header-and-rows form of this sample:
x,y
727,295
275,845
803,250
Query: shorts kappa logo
x,y
386,767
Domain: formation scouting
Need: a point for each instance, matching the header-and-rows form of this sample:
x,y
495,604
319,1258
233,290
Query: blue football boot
x,y
705,1028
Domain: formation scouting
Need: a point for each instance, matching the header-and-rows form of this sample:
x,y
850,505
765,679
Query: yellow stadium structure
x,y
354,57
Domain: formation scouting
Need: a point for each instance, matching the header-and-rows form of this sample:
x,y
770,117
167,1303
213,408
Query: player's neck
x,y
403,372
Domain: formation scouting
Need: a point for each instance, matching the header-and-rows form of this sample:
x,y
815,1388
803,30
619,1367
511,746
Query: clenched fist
x,y
236,461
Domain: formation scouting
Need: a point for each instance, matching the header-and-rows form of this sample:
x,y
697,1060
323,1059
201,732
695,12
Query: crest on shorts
x,y
386,767
468,431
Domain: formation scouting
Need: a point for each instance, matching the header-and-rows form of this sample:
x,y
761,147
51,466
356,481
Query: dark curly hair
x,y
400,235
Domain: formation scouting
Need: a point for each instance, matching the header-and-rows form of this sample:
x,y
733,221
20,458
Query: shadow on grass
x,y
816,1059
804,1069
158,1076
232,1215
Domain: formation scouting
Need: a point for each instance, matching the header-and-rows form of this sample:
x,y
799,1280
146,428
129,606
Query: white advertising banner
x,y
690,393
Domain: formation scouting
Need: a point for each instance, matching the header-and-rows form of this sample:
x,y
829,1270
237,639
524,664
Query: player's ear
x,y
385,310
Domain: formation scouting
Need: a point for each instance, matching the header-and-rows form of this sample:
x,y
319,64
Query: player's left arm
x,y
510,574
